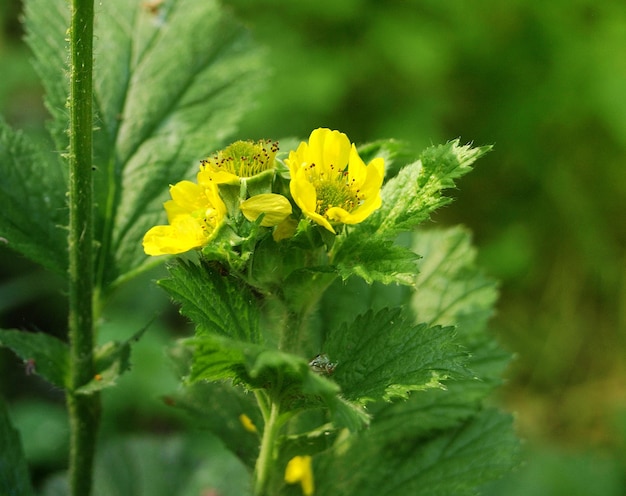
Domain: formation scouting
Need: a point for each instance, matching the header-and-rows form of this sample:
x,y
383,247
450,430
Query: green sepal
x,y
111,360
259,183
43,354
14,478
385,356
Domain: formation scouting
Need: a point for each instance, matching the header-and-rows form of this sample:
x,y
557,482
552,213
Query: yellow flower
x,y
331,183
275,207
247,423
299,469
193,213
240,159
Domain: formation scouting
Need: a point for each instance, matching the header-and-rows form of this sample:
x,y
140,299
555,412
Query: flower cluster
x,y
329,184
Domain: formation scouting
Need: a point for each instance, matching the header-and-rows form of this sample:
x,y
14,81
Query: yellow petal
x,y
299,469
183,235
189,196
275,207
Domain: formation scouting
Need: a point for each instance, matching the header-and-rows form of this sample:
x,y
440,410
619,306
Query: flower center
x,y
244,158
334,191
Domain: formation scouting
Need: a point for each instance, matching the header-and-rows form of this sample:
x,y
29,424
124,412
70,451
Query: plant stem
x,y
84,410
267,453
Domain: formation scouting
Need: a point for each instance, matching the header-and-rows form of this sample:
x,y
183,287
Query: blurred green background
x,y
545,82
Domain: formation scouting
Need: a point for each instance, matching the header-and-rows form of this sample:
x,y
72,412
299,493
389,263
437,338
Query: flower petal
x,y
275,207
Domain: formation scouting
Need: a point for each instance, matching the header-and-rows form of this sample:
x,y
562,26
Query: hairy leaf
x,y
377,260
411,196
214,303
171,85
283,375
384,356
171,81
454,461
42,353
33,212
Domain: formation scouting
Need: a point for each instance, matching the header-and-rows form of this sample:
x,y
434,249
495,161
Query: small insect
x,y
30,366
322,364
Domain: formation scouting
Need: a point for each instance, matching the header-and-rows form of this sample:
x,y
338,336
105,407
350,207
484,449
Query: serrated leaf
x,y
215,303
170,87
14,478
217,358
43,354
33,212
46,23
376,260
455,461
384,356
111,360
452,290
411,196
257,367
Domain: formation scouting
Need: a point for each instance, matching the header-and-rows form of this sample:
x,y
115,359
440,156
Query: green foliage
x,y
33,213
171,80
218,303
14,479
169,87
43,353
409,198
385,356
389,459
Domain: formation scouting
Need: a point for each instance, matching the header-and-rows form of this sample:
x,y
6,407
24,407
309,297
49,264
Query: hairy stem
x,y
267,453
83,409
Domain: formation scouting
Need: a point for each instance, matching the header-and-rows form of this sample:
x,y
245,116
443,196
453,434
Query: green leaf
x,y
384,356
170,85
170,88
452,290
111,359
217,358
374,259
46,23
33,212
455,461
284,375
214,302
14,478
411,196
43,354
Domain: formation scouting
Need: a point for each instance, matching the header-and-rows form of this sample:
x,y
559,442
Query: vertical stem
x,y
267,453
83,409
